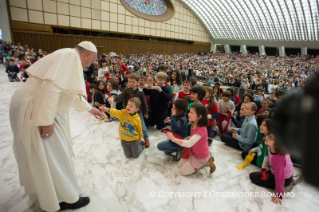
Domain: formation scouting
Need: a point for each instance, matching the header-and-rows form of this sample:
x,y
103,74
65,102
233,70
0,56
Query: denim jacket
x,y
179,125
247,133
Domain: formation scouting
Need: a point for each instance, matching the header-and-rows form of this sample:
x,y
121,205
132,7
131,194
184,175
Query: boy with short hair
x,y
159,99
130,128
142,83
12,70
112,76
185,92
127,94
224,105
259,96
247,133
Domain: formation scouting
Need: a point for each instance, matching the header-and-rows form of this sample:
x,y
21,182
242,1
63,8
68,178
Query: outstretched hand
x,y
95,112
110,100
169,135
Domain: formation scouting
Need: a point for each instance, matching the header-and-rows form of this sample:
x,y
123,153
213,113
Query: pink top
x,y
282,168
200,148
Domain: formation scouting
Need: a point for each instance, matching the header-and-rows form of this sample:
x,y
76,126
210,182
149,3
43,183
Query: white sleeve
x,y
254,149
192,140
46,104
80,104
265,162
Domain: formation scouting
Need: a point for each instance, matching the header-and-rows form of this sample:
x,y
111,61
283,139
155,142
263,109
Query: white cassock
x,y
45,164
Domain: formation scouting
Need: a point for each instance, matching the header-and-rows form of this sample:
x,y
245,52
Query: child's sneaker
x,y
147,143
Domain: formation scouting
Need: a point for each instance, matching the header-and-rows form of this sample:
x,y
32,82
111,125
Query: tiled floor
x,y
115,183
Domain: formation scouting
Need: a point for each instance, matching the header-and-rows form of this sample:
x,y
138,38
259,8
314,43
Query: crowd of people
x,y
185,91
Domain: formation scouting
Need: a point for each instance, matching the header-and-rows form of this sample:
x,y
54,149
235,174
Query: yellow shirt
x,y
130,128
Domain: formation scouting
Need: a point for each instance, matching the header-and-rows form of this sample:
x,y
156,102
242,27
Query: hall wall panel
x,y
112,15
52,42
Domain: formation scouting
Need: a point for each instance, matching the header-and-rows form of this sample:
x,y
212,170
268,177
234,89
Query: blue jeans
x,y
168,147
11,79
144,129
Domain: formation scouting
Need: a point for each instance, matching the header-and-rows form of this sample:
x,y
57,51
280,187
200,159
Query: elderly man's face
x,y
88,58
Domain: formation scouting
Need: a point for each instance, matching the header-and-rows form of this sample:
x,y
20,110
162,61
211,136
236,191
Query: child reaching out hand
x,y
130,128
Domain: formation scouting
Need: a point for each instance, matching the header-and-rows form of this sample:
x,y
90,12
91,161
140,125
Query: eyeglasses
x,y
269,137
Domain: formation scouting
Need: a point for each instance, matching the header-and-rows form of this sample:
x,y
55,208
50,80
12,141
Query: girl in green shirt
x,y
262,149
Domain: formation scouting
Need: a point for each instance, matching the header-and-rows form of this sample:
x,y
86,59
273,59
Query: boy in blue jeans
x,y
127,94
12,71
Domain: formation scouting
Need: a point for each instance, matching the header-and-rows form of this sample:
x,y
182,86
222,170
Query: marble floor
x,y
115,183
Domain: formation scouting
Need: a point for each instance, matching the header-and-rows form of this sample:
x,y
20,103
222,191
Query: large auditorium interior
x,y
159,105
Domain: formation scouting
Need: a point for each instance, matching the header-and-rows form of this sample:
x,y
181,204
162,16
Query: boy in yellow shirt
x,y
130,128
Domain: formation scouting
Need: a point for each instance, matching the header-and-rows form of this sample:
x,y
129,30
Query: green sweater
x,y
262,151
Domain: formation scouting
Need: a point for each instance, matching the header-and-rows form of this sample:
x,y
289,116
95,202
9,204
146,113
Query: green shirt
x,y
262,151
258,134
7,57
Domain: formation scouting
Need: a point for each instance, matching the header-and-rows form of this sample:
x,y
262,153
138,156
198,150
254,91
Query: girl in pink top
x,y
199,155
279,167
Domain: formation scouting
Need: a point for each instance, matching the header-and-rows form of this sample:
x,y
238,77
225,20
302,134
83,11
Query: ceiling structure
x,y
263,20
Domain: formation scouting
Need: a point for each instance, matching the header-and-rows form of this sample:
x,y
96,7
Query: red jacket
x,y
87,85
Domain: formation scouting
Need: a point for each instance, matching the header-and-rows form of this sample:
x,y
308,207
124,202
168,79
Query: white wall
x,y
108,15
4,21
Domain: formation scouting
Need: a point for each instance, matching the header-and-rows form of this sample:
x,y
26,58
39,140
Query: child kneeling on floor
x,y
197,142
130,128
179,124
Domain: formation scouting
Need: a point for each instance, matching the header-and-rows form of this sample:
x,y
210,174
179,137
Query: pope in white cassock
x,y
39,121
